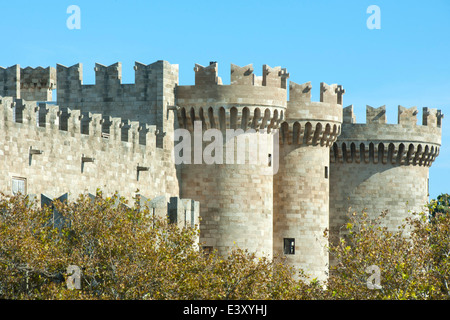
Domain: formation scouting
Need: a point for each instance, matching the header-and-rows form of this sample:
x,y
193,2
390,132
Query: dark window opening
x,y
207,249
270,160
289,245
326,172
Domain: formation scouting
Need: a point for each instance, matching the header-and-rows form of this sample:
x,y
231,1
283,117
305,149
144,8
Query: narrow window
x,y
14,113
37,118
289,245
19,185
326,172
270,160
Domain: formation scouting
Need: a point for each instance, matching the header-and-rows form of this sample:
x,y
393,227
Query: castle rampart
x,y
146,101
56,149
313,164
376,166
29,83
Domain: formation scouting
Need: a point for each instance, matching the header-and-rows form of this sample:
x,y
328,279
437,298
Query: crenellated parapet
x,y
148,100
376,141
46,118
300,106
28,83
37,83
310,122
108,86
249,102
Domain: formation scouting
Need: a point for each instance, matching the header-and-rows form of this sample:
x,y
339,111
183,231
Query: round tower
x,y
377,166
301,186
230,165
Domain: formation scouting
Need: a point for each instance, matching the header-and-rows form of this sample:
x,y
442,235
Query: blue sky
x,y
405,62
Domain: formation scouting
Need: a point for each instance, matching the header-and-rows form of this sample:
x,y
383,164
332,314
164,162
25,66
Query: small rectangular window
x,y
19,185
326,172
289,245
207,249
270,160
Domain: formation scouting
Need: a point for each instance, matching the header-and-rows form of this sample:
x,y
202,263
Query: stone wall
x,y
55,154
28,83
313,162
146,101
377,166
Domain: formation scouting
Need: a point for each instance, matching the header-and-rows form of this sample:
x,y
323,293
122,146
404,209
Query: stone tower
x,y
377,166
264,173
301,187
236,191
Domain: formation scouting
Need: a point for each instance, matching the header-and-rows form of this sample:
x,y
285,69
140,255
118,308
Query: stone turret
x,y
301,187
376,166
236,191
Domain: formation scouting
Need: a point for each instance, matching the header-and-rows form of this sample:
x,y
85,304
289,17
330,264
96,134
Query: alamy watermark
x,y
73,280
237,147
74,20
374,280
374,20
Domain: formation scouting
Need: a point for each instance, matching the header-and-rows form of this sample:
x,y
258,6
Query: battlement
x,y
28,83
301,93
147,100
108,85
312,122
108,74
406,116
300,106
271,77
55,120
377,141
248,102
207,75
243,76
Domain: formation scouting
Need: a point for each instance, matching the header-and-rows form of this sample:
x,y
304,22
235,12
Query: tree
x,y
124,253
369,246
441,204
413,262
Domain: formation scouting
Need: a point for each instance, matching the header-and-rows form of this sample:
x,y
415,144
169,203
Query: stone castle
x,y
122,138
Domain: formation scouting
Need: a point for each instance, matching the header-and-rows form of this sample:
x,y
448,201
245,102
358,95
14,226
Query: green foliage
x,y
414,261
440,205
125,253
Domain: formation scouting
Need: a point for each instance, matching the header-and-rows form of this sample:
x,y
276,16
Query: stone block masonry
x,y
120,138
57,150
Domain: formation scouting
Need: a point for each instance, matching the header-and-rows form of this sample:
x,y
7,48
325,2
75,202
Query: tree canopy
x,y
106,248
